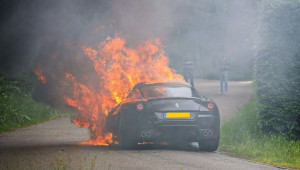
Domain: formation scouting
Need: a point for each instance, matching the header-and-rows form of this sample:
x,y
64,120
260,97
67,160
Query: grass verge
x,y
18,109
241,137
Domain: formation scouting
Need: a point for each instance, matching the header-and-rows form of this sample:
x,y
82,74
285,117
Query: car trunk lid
x,y
175,104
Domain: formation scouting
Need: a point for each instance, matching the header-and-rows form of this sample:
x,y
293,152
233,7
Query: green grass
x,y
18,109
241,136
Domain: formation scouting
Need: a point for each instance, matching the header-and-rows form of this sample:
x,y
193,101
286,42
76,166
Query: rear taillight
x,y
210,105
140,106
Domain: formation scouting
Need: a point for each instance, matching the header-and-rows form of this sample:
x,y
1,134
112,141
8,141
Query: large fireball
x,y
118,69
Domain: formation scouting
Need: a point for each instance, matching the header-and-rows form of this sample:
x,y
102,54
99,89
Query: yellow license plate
x,y
177,115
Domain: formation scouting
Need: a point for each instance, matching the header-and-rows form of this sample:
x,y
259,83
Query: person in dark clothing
x,y
224,66
188,69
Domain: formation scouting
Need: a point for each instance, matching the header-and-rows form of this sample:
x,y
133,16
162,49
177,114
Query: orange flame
x,y
118,69
105,141
38,72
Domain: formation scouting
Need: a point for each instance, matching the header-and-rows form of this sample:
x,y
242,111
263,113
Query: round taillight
x,y
210,105
140,106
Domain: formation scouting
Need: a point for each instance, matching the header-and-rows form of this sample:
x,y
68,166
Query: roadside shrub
x,y
17,108
241,136
278,68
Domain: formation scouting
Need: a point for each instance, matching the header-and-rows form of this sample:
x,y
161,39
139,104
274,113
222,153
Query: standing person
x,y
188,69
224,66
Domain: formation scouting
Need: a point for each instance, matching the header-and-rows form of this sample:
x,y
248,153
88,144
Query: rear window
x,y
166,91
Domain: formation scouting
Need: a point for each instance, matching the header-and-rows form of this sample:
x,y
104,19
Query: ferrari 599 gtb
x,y
165,112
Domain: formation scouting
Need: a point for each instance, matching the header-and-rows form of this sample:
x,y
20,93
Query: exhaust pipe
x,y
145,134
148,134
207,132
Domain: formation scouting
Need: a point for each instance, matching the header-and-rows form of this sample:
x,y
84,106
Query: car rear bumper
x,y
191,130
171,133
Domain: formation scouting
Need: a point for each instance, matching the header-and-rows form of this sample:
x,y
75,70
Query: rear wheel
x,y
209,145
126,137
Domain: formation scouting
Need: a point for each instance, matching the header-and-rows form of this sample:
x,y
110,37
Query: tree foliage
x,y
278,67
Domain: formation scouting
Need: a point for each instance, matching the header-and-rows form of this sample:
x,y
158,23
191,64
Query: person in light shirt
x,y
188,69
224,66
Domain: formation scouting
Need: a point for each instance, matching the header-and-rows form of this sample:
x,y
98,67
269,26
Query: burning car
x,y
165,112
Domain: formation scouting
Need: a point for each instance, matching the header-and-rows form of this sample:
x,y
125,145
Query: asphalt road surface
x,y
52,145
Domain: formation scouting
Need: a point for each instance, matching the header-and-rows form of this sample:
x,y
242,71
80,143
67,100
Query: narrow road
x,y
52,145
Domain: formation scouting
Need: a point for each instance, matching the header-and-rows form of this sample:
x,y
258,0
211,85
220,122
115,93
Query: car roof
x,y
169,83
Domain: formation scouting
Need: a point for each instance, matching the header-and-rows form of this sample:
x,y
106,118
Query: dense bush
x,y
278,67
17,108
241,136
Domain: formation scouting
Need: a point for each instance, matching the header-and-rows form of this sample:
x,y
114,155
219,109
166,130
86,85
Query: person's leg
x,y
221,82
188,77
192,79
185,75
226,80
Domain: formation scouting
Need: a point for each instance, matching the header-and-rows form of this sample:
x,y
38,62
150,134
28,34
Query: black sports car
x,y
165,112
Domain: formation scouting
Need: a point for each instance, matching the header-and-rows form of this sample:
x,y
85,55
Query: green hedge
x,y
278,67
18,109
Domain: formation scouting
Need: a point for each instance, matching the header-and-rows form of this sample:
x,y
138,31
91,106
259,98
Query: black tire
x,y
125,134
209,145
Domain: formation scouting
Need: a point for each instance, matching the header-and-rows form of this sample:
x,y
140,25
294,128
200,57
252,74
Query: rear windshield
x,y
162,91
